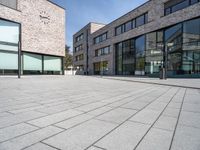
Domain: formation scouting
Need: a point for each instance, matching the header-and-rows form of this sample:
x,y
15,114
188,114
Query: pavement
x,y
179,82
89,113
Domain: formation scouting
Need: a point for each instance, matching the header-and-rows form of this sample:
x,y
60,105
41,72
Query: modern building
x,y
81,48
158,34
32,37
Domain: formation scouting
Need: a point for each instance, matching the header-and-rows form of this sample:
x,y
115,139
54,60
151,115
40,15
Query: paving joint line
x,y
177,121
156,119
128,80
126,119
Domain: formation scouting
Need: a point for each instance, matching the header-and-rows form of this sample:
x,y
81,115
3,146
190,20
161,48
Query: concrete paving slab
x,y
186,138
14,131
74,121
117,115
166,123
40,146
147,116
190,119
52,119
82,136
29,139
125,137
156,139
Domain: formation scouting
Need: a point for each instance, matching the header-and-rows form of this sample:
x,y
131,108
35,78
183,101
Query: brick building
x,y
158,34
32,37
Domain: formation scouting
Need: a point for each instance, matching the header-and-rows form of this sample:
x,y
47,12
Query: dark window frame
x,y
171,7
122,27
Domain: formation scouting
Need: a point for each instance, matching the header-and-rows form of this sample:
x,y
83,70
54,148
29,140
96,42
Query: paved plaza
x,y
89,113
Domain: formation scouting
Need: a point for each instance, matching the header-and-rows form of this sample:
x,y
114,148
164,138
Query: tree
x,y
68,57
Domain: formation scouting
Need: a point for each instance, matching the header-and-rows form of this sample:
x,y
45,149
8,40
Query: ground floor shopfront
x,y
15,61
176,48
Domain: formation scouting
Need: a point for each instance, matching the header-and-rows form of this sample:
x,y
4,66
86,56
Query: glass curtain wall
x,y
125,58
41,64
144,55
140,55
9,39
154,53
173,43
191,47
101,68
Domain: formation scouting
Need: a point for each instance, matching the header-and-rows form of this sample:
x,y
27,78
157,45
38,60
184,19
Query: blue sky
x,y
81,12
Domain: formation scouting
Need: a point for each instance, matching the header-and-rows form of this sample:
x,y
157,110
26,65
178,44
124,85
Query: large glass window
x,y
32,63
101,38
101,68
52,65
173,6
140,55
154,52
173,43
191,47
141,20
125,58
9,39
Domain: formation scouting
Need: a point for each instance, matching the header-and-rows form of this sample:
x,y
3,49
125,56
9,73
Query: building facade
x,y
158,34
81,50
32,37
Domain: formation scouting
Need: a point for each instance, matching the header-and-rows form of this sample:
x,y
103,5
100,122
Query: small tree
x,y
68,57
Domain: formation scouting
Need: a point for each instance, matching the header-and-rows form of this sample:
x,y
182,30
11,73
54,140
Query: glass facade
x,y
176,47
41,64
101,68
125,58
9,39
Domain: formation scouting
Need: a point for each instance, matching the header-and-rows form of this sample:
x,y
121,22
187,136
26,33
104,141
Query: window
x,y
173,6
140,55
100,38
193,1
128,26
79,57
79,38
102,51
9,38
79,48
141,20
9,3
118,30
101,68
180,6
125,57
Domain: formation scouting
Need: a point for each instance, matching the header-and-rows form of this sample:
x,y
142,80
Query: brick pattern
x,y
156,20
37,36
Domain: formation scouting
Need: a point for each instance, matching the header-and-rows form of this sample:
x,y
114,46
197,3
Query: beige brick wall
x,y
37,36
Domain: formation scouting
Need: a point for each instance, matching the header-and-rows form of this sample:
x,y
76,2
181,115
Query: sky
x,y
81,12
